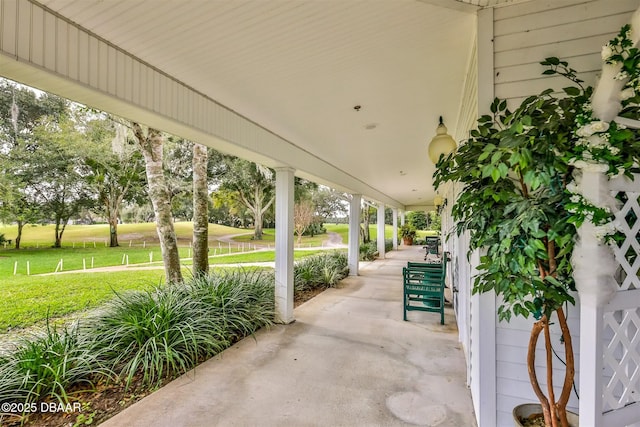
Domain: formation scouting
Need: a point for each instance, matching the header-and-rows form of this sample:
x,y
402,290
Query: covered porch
x,y
347,96
349,359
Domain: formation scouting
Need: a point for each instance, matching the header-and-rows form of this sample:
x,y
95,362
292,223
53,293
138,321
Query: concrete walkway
x,y
348,360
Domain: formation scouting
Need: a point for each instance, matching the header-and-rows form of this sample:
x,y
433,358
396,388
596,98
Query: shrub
x,y
157,334
320,271
167,331
49,365
368,251
242,300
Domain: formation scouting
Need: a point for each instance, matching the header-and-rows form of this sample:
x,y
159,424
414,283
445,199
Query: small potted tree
x,y
521,205
407,233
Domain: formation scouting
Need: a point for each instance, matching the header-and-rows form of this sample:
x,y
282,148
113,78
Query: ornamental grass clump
x,y
55,365
158,334
155,334
522,206
241,300
320,271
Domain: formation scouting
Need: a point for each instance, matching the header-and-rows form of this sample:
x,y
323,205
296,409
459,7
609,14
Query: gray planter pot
x,y
527,409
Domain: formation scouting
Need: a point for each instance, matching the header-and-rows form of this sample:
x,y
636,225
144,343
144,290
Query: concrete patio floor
x,y
348,360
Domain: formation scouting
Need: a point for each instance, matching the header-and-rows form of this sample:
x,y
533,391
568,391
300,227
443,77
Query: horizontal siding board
x,y
532,7
559,17
573,30
526,88
566,50
533,70
517,353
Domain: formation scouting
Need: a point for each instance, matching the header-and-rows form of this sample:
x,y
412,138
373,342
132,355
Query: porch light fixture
x,y
438,201
442,144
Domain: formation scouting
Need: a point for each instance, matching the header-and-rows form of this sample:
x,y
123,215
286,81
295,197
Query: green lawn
x,y
28,299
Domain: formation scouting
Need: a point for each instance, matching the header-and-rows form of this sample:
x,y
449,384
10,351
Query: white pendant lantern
x,y
441,144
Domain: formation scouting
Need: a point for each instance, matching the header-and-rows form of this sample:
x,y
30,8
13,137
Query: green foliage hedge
x,y
320,271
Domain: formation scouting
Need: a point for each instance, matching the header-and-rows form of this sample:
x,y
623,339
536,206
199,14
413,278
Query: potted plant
x,y
522,207
408,233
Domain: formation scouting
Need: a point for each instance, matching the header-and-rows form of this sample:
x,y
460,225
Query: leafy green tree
x,y
417,219
435,221
249,185
115,170
53,171
329,202
21,110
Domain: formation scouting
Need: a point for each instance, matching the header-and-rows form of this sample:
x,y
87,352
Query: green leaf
x,y
495,174
571,91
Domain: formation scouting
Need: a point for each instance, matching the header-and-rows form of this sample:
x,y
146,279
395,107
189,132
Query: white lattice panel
x,y
627,252
621,318
622,358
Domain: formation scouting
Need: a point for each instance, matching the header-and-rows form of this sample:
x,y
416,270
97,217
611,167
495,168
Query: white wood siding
x,y
525,34
573,30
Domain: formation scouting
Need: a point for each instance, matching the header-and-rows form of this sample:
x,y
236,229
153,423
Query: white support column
x,y
395,229
284,245
380,227
483,306
354,233
595,289
402,218
483,353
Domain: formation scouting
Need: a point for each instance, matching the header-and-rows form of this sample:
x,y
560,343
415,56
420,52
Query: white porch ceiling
x,y
298,68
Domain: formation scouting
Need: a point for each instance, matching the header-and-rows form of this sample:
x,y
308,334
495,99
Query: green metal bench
x,y
424,288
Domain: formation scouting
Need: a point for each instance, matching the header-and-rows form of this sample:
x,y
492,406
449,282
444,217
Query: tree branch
x,y
531,366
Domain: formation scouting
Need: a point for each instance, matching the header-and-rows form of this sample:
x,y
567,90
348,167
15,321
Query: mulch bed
x,y
94,407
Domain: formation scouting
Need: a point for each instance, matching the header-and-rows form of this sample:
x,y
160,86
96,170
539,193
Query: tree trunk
x,y
112,206
555,412
19,236
257,234
58,233
366,237
151,147
113,231
200,211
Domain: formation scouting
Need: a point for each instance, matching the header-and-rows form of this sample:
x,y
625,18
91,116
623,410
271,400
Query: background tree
x,y
250,184
435,221
53,171
21,110
178,175
151,146
329,203
200,211
418,220
303,215
115,170
367,213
